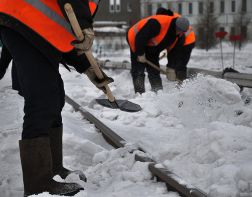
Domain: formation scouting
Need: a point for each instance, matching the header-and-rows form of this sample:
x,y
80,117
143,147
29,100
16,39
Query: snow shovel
x,y
162,71
111,102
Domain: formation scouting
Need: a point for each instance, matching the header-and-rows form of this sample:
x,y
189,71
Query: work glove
x,y
170,74
141,58
99,83
84,45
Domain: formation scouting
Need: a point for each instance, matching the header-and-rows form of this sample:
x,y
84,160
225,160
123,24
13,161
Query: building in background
x,y
115,16
233,16
120,12
112,20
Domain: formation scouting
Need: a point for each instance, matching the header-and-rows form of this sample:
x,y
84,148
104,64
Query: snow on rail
x,y
241,79
173,181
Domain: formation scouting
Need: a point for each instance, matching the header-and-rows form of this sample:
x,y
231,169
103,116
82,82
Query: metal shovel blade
x,y
123,105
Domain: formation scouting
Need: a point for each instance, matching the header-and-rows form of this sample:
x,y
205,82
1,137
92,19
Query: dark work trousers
x,y
179,57
40,84
137,72
15,81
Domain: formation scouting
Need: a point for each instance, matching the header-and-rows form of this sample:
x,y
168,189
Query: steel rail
x,y
241,79
115,139
172,181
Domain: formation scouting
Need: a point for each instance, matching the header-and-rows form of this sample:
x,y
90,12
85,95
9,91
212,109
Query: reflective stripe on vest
x,y
44,17
50,9
163,20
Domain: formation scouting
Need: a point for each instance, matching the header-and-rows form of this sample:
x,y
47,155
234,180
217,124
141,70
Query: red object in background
x,y
235,38
220,34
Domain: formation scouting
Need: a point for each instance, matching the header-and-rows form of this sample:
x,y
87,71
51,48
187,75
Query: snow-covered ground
x,y
201,131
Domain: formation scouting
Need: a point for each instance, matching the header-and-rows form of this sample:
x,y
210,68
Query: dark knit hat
x,y
182,24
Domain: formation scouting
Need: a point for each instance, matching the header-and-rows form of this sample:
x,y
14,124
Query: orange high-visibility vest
x,y
93,6
189,35
163,20
44,17
189,39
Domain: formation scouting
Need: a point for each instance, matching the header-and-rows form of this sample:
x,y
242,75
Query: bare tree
x,y
241,22
207,25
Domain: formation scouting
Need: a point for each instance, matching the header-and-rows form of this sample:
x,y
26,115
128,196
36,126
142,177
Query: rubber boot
x,y
156,84
138,82
181,75
36,160
56,135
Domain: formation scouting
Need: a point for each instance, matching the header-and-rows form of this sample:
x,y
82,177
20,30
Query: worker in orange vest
x,y
178,55
6,58
38,37
147,39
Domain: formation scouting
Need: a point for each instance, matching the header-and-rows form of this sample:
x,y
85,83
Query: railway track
x,y
241,79
172,181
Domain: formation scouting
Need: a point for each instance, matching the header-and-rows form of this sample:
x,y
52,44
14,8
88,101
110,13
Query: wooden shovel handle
x,y
78,32
156,67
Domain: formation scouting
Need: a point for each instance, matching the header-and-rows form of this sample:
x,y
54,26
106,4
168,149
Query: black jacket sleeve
x,y
179,57
85,19
181,41
150,30
79,62
4,61
82,11
185,56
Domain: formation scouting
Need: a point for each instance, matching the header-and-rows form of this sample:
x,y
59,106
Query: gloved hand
x,y
170,74
99,83
86,43
141,58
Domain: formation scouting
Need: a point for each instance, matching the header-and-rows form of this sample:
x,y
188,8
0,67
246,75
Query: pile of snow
x,y
201,131
110,172
116,173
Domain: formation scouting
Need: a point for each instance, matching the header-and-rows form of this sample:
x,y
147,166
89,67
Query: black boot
x,y
138,82
36,163
181,75
55,135
156,84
